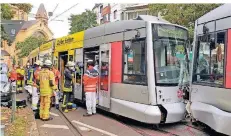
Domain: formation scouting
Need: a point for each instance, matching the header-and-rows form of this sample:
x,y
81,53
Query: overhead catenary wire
x,y
64,11
55,8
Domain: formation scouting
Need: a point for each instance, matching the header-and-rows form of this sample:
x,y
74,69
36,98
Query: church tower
x,y
42,14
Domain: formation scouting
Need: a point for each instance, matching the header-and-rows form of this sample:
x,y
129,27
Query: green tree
x,y
28,45
182,14
7,14
82,22
26,7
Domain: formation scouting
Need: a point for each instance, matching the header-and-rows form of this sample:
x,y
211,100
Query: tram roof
x,y
120,26
220,12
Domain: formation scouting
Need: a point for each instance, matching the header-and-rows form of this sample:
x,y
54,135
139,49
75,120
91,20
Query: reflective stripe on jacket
x,y
30,76
45,77
90,80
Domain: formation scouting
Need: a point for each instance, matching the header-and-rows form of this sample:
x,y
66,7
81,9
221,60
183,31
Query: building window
x,y
115,12
210,59
132,15
101,9
122,16
134,66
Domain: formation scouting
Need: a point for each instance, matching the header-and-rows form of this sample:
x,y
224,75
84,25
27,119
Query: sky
x,y
59,28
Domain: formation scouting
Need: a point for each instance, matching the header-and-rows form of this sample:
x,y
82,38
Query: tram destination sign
x,y
172,32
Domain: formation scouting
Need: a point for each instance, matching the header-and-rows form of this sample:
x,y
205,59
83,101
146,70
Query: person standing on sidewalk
x,y
46,83
20,78
68,84
90,81
56,92
35,96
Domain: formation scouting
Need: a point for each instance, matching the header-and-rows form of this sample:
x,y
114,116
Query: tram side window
x,y
210,60
134,62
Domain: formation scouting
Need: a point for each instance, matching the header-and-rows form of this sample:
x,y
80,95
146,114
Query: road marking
x,y
84,128
91,127
54,126
54,114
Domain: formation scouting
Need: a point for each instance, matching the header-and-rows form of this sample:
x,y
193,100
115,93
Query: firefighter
x,y
46,83
20,78
56,92
27,69
68,84
32,81
90,81
13,74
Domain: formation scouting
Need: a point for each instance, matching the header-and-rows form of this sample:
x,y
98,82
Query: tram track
x,y
73,129
141,128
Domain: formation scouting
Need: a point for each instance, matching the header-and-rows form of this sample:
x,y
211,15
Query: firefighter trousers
x,y
91,102
44,111
20,85
66,99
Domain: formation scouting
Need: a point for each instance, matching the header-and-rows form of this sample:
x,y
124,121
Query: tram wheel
x,y
156,126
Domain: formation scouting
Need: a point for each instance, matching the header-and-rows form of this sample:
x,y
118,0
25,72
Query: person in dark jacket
x,y
68,84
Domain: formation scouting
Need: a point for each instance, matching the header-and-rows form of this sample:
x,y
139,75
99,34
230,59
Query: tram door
x,y
62,62
104,70
78,90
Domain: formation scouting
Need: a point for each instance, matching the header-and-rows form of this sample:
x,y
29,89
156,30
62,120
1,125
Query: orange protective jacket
x,y
13,75
36,76
57,75
90,80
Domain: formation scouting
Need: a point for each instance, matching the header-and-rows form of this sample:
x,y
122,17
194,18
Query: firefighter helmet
x,y
48,63
38,62
70,64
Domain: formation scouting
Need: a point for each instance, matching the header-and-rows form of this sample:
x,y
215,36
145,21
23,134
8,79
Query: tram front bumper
x,y
175,112
215,118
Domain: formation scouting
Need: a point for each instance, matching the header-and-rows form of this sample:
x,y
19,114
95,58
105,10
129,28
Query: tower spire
x,y
41,13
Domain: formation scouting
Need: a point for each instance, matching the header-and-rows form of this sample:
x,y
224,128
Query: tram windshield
x,y
170,44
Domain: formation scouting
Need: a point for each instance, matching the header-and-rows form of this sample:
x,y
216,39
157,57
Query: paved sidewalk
x,y
55,127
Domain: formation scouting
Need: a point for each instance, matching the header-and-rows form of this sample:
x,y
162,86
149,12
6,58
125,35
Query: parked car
x,y
5,84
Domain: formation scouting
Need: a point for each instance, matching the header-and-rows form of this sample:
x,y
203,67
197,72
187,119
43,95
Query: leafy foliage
x,y
6,14
6,11
26,7
83,21
28,45
182,14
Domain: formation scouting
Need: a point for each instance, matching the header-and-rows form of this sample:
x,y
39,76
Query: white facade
x,y
113,15
118,12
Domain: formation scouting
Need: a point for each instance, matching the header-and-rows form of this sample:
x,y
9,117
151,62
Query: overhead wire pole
x,y
64,12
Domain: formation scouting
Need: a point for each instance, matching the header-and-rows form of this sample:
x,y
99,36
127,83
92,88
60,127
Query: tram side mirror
x,y
127,46
212,43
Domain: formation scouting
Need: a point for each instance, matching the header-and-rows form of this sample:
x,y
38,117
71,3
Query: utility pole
x,y
13,91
